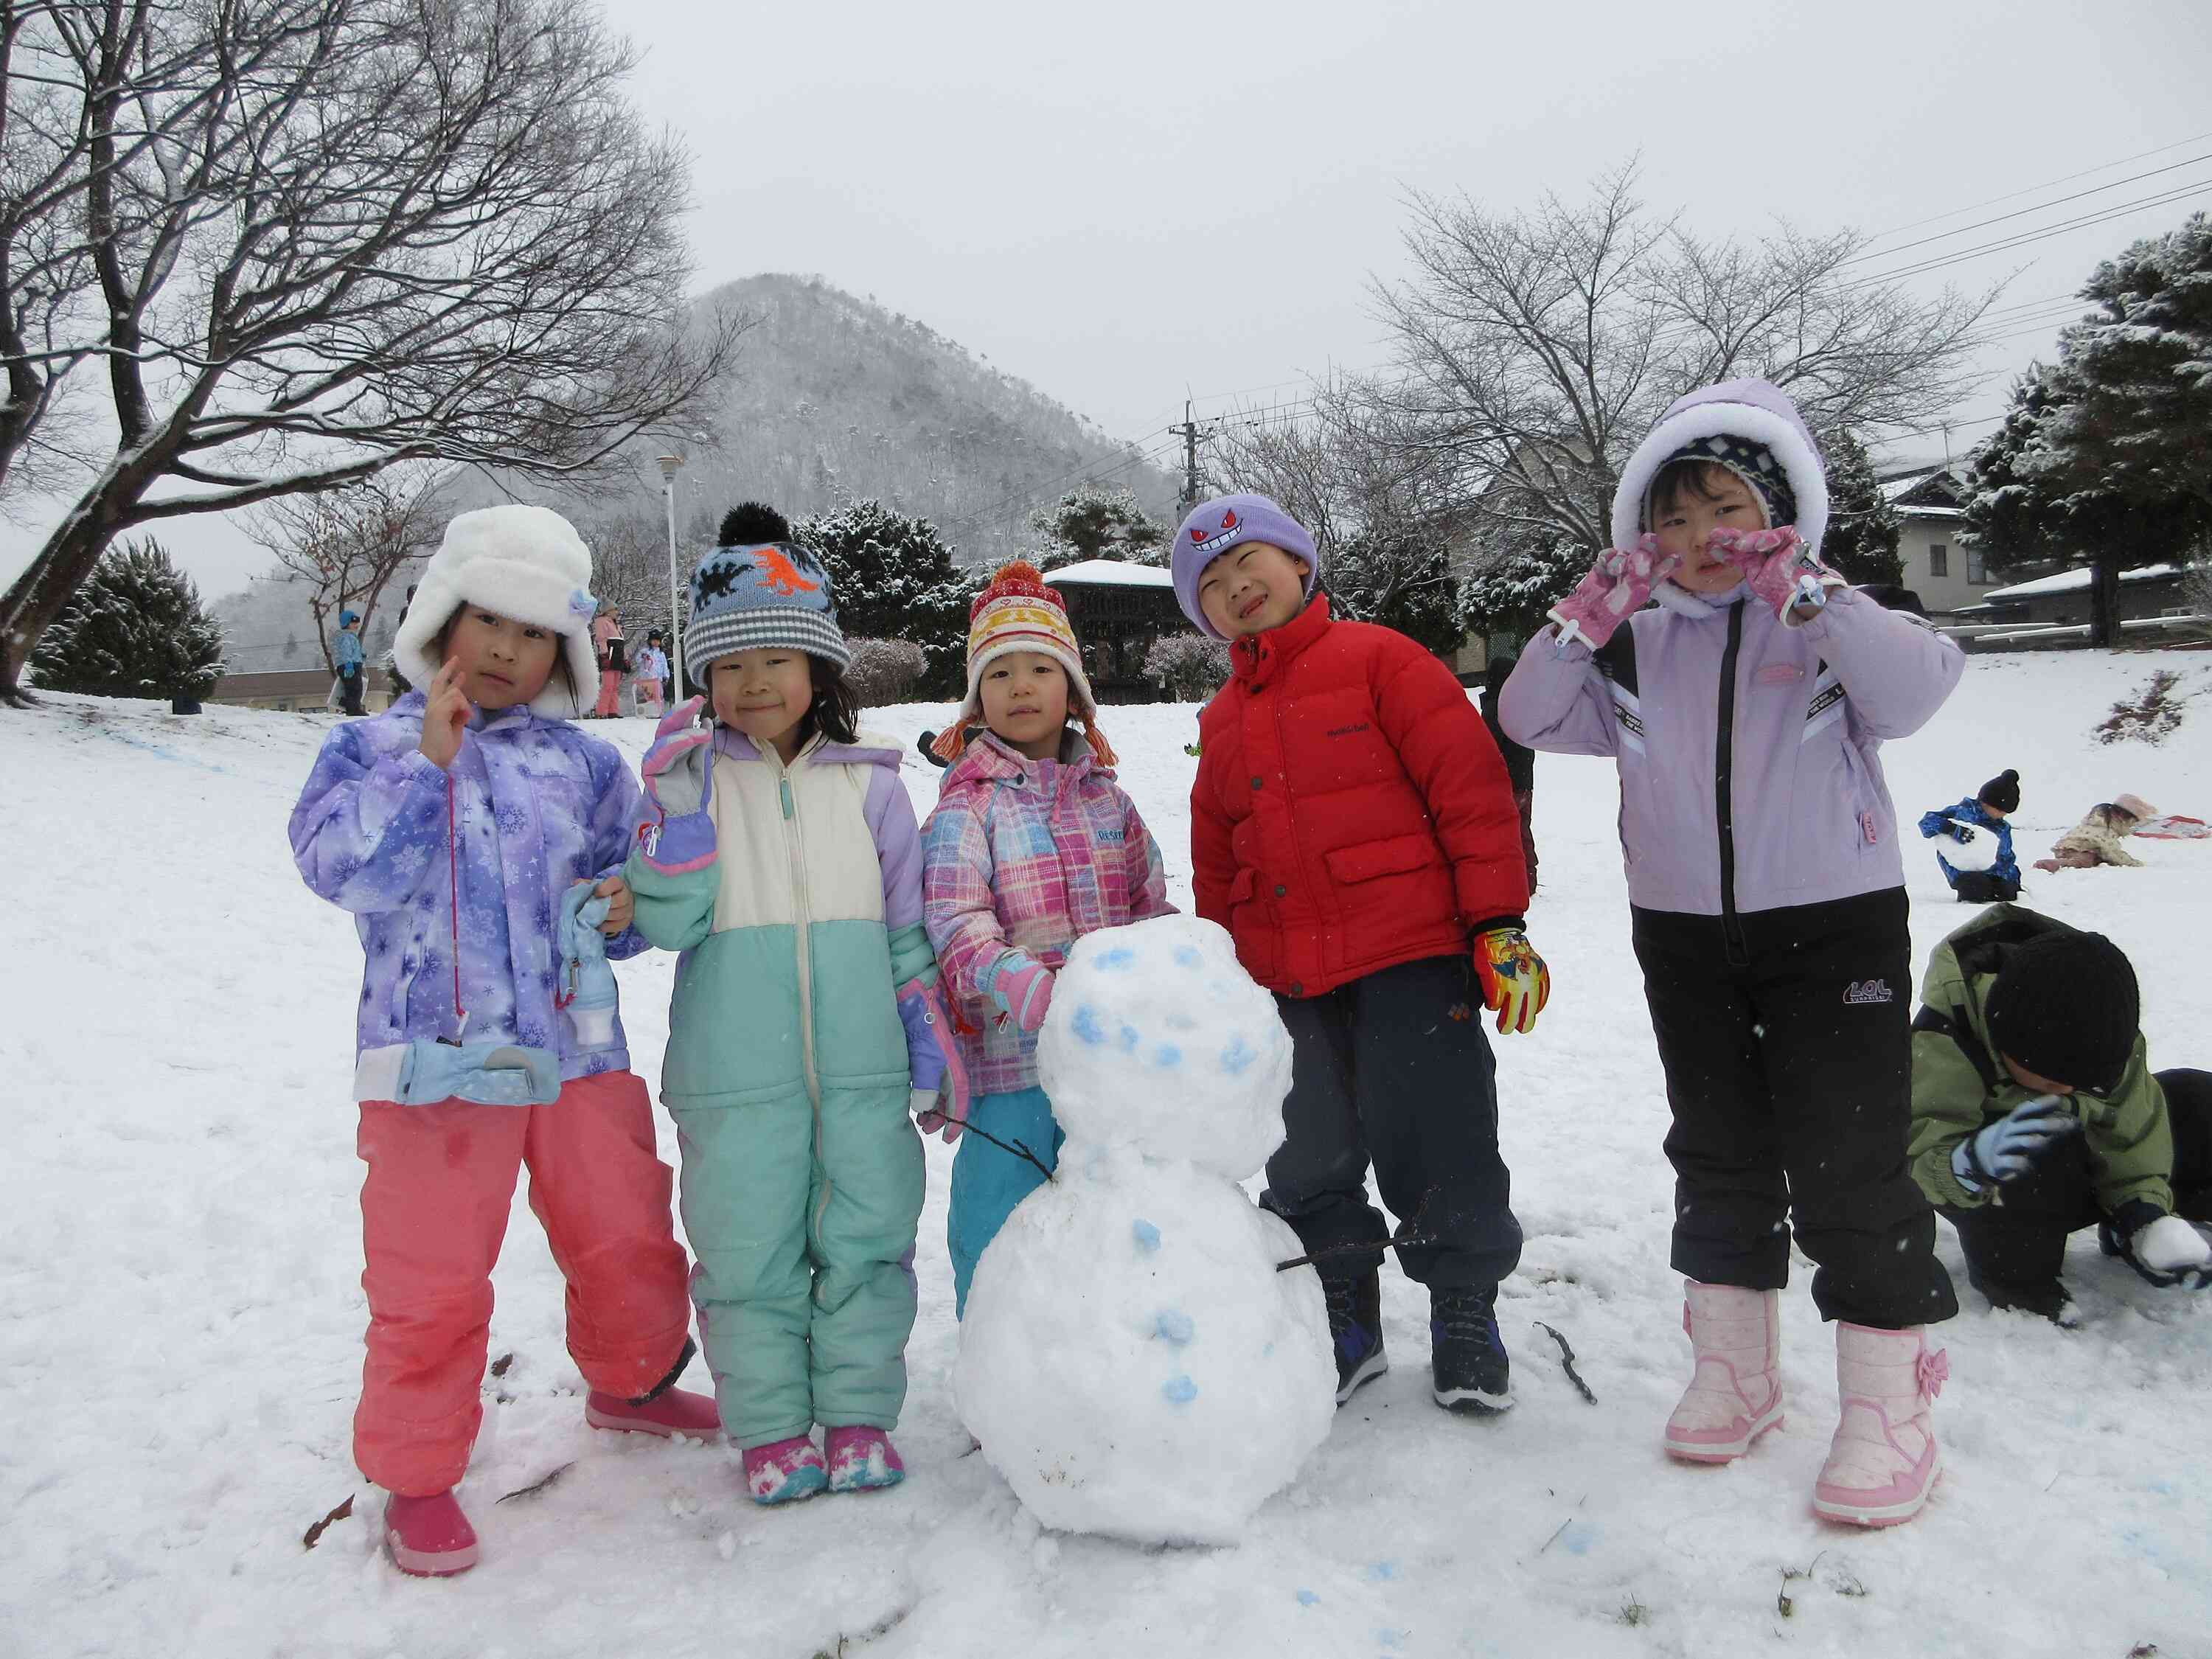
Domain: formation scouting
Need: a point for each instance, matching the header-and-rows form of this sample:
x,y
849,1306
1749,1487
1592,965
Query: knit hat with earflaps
x,y
1021,612
2066,1006
526,563
760,588
2001,792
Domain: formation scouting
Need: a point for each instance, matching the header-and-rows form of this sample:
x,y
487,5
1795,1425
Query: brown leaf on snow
x,y
322,1525
537,1486
499,1365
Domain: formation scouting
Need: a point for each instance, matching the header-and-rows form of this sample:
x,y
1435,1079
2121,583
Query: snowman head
x,y
1158,1040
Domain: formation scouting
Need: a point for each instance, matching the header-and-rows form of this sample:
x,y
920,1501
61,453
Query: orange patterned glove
x,y
1515,984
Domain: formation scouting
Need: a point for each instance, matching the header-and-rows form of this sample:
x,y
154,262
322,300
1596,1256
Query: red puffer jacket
x,y
1351,810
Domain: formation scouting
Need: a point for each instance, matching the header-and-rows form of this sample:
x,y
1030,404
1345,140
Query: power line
x,y
2020,213
2048,184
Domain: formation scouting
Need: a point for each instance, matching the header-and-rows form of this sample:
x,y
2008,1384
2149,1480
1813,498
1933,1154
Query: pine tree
x,y
1523,575
1403,581
1863,527
1093,522
894,579
135,629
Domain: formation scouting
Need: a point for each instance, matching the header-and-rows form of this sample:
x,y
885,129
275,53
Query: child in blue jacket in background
x,y
1966,833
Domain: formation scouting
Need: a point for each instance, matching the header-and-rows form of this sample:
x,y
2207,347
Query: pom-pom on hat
x,y
2001,792
1226,521
759,588
1019,610
2066,1006
526,563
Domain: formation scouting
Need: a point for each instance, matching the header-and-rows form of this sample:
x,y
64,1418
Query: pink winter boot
x,y
671,1412
1735,1394
1884,1460
862,1459
428,1537
784,1471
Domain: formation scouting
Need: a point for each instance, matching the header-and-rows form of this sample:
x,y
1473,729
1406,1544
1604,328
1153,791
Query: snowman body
x,y
1132,1361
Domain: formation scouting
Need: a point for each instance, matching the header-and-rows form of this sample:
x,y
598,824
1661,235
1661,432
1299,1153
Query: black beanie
x,y
2065,1005
2001,792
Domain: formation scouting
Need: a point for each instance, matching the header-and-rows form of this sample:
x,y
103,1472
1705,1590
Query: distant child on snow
x,y
780,855
1974,843
1352,827
1768,911
2097,838
352,662
1032,846
2035,1112
471,829
651,689
607,640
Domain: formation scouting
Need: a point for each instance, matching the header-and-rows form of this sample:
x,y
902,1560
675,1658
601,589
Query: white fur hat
x,y
524,563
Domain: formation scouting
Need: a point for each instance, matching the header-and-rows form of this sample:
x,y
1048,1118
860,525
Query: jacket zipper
x,y
802,931
1724,790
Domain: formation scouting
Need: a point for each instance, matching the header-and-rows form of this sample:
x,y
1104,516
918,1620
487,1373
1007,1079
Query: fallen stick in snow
x,y
537,1486
314,1533
1567,1359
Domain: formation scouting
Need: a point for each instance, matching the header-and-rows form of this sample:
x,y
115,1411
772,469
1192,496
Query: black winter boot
x,y
1473,1375
1355,1327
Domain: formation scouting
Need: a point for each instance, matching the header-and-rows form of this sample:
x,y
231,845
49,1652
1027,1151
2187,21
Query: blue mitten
x,y
2002,1151
587,983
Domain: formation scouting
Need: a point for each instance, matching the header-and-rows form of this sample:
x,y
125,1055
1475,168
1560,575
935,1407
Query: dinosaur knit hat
x,y
1020,611
749,594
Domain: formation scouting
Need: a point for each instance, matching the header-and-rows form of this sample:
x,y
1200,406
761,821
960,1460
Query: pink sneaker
x,y
784,1471
428,1537
1735,1392
1884,1460
862,1459
671,1412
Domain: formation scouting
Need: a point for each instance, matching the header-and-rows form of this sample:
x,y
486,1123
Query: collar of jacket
x,y
1671,596
867,750
987,758
1258,658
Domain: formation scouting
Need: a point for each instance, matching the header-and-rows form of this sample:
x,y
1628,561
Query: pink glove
x,y
949,1113
678,774
1616,587
1023,988
1779,567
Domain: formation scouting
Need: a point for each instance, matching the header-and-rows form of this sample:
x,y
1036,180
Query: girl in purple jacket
x,y
1766,889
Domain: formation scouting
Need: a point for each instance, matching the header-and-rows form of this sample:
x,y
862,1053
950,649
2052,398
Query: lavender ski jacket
x,y
538,806
1750,777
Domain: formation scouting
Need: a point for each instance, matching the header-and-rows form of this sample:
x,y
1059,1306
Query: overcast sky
x,y
1124,205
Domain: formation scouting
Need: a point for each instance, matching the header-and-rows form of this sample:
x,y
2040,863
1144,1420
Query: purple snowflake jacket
x,y
1706,707
537,806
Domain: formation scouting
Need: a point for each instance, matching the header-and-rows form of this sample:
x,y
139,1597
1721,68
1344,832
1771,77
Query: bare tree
x,y
629,567
346,545
1535,350
320,236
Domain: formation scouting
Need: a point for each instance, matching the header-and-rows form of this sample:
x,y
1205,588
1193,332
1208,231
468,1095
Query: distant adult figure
x,y
351,661
1520,760
614,662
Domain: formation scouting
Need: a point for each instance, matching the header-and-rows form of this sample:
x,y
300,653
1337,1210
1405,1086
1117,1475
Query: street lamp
x,y
670,466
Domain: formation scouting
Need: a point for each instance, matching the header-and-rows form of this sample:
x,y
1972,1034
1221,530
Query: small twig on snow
x,y
537,1486
1567,1359
314,1533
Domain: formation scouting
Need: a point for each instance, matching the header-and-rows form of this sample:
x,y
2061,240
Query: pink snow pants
x,y
610,701
434,1207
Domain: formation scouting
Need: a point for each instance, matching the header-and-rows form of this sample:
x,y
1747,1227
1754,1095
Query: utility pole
x,y
1190,433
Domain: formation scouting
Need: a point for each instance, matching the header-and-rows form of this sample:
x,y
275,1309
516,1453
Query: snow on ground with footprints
x,y
180,1315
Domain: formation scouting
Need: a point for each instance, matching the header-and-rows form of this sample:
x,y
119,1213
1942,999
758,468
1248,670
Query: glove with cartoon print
x,y
1516,983
1778,567
1616,588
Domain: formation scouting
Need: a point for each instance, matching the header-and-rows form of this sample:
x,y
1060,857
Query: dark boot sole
x,y
1473,1402
1364,1372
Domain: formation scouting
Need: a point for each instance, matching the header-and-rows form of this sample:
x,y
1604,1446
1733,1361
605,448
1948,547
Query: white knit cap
x,y
526,563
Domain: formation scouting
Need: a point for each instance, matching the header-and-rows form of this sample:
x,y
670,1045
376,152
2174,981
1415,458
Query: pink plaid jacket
x,y
1030,855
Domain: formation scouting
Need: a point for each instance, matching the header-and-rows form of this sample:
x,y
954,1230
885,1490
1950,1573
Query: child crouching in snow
x,y
1766,893
2097,839
1987,872
782,857
455,827
1352,827
1032,846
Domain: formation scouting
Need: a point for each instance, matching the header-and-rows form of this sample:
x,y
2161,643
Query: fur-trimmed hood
x,y
1741,408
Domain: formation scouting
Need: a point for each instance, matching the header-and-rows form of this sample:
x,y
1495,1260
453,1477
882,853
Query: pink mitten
x,y
950,1112
1617,585
1779,567
1023,987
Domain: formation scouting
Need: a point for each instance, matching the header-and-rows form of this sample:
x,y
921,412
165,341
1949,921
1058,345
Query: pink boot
x,y
862,1459
784,1471
1735,1394
671,1412
428,1537
1884,1460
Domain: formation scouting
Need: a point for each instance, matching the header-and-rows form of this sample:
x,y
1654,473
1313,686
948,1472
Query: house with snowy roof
x,y
1117,610
1947,574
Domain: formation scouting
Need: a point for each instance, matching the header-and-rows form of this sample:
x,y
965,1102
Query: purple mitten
x,y
1617,586
678,775
1779,567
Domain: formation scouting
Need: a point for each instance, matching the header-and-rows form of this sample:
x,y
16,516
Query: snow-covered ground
x,y
180,1319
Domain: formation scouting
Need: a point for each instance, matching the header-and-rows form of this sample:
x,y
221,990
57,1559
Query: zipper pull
x,y
783,793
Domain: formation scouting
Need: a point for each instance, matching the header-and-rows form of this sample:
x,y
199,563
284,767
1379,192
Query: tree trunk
x,y
2105,601
37,595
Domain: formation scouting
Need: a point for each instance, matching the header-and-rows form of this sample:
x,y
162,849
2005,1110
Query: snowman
x,y
1132,1361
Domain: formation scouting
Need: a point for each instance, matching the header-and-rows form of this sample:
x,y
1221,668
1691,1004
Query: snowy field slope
x,y
180,1318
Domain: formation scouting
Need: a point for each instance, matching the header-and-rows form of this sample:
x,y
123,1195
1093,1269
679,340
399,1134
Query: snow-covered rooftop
x,y
2067,581
1113,573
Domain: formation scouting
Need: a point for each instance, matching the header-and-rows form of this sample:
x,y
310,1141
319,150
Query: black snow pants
x,y
2022,1240
1786,1038
1396,1067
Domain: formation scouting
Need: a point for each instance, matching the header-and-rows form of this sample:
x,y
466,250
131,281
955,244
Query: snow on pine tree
x,y
894,579
1094,522
135,629
1863,527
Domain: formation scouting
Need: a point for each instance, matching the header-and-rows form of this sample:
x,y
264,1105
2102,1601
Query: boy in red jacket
x,y
1353,828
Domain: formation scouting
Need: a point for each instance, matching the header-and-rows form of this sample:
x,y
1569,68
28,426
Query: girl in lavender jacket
x,y
1766,891
461,829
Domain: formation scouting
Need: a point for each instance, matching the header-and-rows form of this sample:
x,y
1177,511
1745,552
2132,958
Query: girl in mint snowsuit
x,y
782,857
